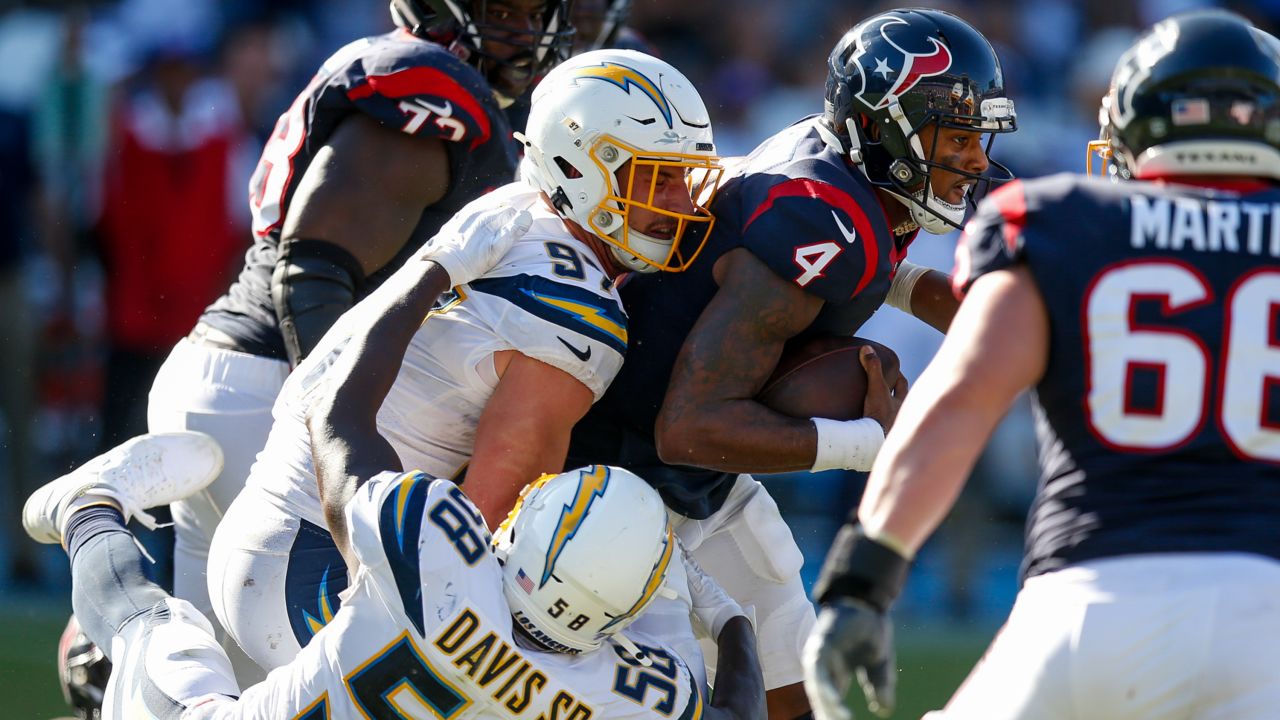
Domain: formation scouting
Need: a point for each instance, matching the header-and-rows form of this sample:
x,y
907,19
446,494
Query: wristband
x,y
847,444
892,542
861,568
904,283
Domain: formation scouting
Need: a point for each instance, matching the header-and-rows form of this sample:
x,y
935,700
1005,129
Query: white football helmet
x,y
592,114
583,553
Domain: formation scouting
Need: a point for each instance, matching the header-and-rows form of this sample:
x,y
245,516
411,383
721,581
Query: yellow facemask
x,y
638,188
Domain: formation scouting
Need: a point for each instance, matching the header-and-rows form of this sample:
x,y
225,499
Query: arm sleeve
x,y
313,284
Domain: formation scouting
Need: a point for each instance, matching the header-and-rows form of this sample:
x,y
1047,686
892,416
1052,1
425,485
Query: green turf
x,y
28,643
932,663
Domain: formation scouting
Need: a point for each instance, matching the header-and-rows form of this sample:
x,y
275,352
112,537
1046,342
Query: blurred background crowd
x,y
128,131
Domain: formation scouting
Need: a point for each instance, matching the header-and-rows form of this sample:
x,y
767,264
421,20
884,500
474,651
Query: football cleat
x,y
145,472
83,672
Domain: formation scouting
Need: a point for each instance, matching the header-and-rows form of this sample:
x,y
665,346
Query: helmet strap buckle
x,y
459,50
636,653
903,172
560,201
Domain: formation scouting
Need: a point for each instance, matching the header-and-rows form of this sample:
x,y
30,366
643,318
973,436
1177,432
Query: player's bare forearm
x,y
933,302
739,692
998,349
523,432
341,227
339,201
710,417
342,416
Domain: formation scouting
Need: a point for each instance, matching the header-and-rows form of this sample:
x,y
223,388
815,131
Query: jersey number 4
x,y
1247,379
814,259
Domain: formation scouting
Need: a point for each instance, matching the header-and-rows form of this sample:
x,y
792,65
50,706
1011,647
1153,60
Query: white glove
x,y
711,604
472,243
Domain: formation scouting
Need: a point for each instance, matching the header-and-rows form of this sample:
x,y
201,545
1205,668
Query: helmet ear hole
x,y
567,168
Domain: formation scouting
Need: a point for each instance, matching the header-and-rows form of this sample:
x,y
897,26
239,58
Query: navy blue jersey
x,y
403,82
1158,415
799,207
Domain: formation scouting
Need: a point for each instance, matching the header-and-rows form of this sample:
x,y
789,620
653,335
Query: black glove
x,y
850,640
853,638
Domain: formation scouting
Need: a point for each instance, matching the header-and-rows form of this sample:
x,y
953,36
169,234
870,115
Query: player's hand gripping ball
x,y
823,377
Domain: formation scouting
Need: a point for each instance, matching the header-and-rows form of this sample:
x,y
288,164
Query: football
x,y
822,377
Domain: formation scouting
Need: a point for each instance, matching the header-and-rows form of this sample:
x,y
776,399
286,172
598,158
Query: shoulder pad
x,y
993,239
817,235
408,526
563,323
420,88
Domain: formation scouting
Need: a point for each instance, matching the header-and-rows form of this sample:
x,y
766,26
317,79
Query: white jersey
x,y
546,299
426,632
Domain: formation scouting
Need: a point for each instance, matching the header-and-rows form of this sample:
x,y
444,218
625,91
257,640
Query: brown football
x,y
822,377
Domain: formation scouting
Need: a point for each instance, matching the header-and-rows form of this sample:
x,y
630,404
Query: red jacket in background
x,y
170,230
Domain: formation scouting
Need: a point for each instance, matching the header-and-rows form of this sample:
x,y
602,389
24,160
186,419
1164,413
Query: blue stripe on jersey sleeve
x,y
400,523
575,308
693,709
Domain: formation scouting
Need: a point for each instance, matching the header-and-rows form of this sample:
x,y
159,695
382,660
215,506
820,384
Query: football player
x,y
602,24
497,376
597,25
435,624
1145,316
811,234
393,135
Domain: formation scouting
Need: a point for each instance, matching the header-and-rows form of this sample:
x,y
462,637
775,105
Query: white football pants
x,y
228,395
749,550
1156,637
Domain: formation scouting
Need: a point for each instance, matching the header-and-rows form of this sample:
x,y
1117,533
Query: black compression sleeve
x,y
313,284
862,568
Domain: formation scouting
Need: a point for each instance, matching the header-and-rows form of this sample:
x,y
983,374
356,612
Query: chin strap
x,y
639,655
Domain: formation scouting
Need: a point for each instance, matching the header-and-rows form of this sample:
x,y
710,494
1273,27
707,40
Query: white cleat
x,y
145,472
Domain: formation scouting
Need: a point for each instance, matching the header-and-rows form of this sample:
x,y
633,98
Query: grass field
x,y
28,642
932,661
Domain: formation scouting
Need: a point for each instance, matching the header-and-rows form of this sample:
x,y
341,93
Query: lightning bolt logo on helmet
x,y
887,78
592,483
627,78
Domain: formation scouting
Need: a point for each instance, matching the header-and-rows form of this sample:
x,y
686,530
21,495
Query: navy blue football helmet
x,y
898,73
466,26
1197,94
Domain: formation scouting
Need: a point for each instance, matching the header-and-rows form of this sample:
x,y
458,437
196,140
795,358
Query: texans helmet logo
x,y
889,77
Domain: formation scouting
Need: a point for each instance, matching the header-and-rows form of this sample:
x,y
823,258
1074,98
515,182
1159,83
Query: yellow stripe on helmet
x,y
627,78
592,483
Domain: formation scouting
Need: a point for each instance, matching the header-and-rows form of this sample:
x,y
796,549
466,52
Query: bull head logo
x,y
899,63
